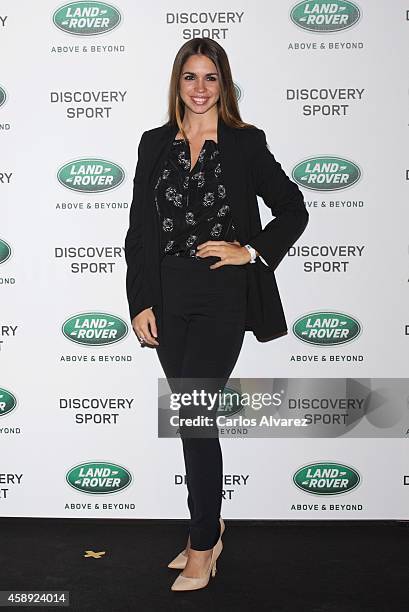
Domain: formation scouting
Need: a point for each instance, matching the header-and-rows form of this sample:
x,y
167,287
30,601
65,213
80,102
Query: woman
x,y
200,266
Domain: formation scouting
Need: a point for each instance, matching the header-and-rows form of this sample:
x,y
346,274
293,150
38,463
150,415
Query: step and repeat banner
x,y
79,83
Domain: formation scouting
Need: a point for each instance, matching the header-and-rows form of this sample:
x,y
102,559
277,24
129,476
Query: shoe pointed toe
x,y
179,562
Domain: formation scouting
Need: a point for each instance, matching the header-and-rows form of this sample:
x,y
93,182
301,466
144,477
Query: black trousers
x,y
203,329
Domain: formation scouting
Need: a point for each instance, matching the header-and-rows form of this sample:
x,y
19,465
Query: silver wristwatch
x,y
252,252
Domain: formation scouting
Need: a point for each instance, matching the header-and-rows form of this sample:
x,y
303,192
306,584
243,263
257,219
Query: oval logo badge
x,y
323,17
99,478
238,91
5,251
230,402
326,478
87,18
91,175
95,329
7,402
326,328
326,173
3,96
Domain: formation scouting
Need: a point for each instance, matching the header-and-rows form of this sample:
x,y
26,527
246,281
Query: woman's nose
x,y
200,86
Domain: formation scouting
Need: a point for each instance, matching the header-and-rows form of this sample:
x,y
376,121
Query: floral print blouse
x,y
192,203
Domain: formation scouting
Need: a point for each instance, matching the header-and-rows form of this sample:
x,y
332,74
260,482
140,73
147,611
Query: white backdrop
x,y
121,78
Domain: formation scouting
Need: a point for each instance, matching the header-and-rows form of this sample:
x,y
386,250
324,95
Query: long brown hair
x,y
227,104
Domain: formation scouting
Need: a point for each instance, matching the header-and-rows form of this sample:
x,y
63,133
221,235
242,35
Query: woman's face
x,y
199,84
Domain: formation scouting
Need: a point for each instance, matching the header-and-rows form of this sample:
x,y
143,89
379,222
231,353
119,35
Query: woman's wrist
x,y
252,252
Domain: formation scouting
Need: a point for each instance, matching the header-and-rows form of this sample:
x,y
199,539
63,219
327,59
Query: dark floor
x,y
279,566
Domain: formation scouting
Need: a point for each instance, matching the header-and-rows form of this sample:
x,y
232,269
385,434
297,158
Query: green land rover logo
x,y
326,478
323,17
230,402
91,175
326,328
326,173
87,18
7,402
95,329
99,478
3,96
5,251
237,91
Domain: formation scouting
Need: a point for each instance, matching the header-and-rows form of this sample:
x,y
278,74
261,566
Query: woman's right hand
x,y
141,324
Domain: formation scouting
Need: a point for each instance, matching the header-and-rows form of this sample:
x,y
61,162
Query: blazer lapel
x,y
168,134
234,175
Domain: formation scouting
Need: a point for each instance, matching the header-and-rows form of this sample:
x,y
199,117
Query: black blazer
x,y
249,169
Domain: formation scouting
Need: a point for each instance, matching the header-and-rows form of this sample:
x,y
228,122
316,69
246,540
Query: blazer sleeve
x,y
134,252
284,199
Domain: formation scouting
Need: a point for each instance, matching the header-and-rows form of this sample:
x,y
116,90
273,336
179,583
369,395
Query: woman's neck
x,y
197,126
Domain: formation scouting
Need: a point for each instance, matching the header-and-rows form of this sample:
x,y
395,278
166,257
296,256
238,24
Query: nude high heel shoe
x,y
179,562
183,583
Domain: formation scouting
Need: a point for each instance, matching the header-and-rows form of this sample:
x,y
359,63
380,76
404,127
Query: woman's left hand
x,y
231,253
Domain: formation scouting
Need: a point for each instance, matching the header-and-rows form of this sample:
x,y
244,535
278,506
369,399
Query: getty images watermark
x,y
283,407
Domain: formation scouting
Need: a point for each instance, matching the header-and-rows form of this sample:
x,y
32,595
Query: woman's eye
x,y
189,77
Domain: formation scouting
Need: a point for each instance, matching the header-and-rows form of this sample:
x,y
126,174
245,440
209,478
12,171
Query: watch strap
x,y
252,252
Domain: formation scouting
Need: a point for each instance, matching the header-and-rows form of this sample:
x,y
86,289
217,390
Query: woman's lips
x,y
199,100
